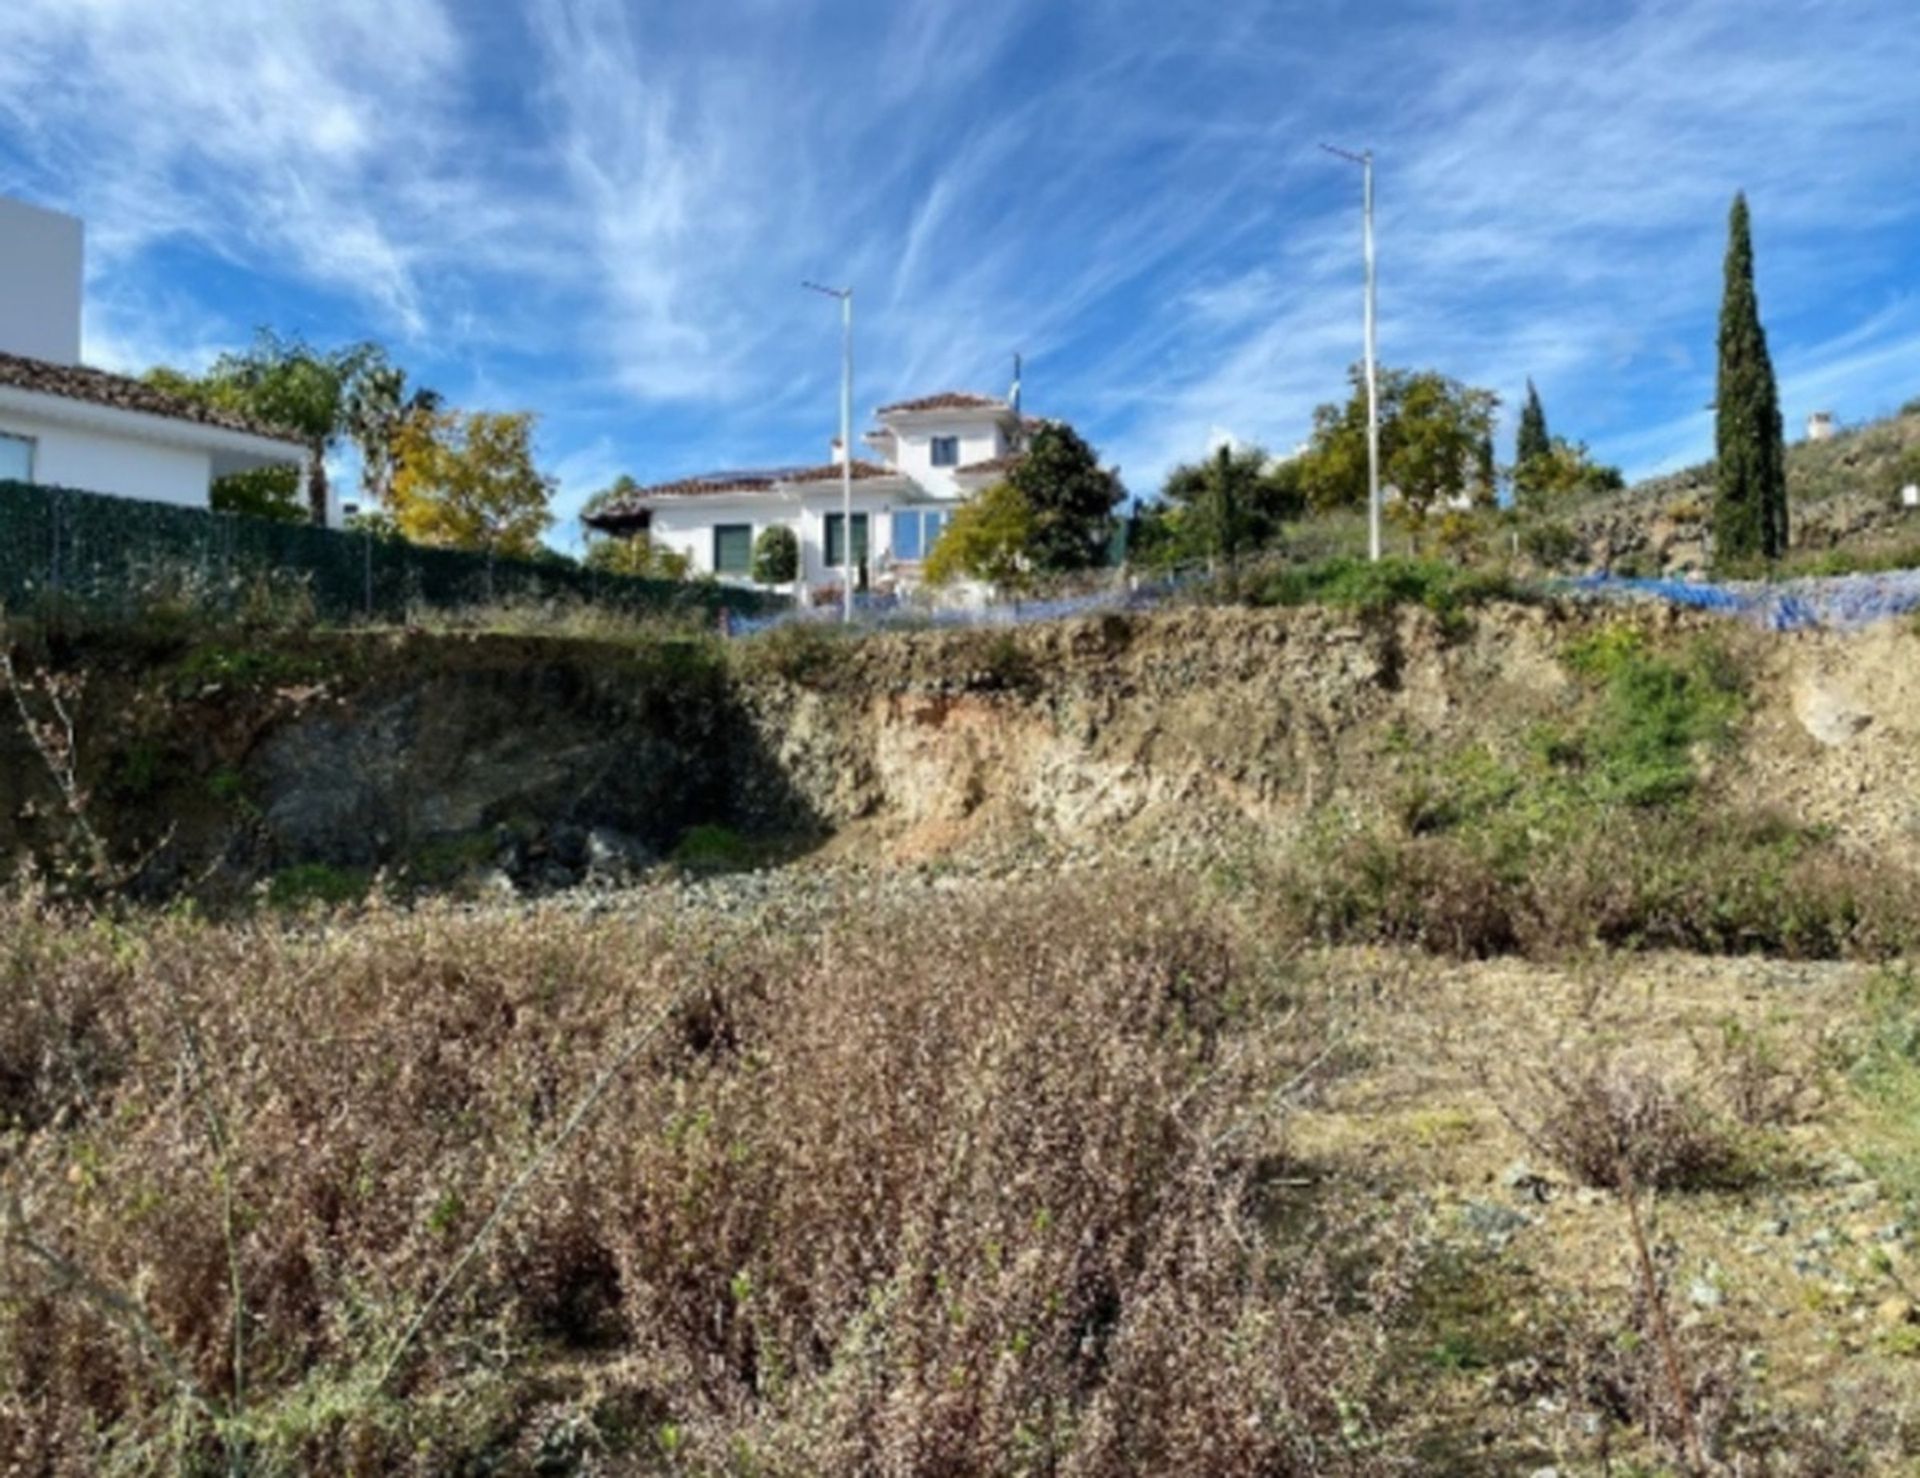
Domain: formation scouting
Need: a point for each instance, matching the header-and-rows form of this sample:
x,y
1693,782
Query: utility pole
x,y
1365,160
845,295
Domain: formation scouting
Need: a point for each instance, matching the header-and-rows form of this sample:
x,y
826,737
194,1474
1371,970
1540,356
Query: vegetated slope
x,y
1844,506
1180,734
1498,743
1084,1148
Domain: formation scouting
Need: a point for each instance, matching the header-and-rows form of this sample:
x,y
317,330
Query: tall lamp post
x,y
1365,160
845,295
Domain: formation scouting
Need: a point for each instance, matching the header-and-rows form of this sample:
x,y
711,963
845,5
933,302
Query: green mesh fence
x,y
124,554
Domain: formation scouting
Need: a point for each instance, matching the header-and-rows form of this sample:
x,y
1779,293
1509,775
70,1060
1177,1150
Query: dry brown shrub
x,y
959,1185
1611,1122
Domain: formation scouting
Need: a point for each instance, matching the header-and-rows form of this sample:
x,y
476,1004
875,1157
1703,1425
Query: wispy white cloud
x,y
604,208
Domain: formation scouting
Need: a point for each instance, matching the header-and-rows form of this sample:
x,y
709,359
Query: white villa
x,y
931,454
65,425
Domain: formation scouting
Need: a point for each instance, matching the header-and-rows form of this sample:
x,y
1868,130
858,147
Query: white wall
x,y
687,528
40,255
980,438
97,462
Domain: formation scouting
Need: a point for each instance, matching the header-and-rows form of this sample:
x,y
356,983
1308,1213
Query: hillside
x,y
1844,495
1223,1042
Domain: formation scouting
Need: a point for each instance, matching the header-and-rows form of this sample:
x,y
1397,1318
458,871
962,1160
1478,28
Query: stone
x,y
612,855
1830,716
1863,1197
494,882
1893,1312
1702,1293
1497,1224
1525,1182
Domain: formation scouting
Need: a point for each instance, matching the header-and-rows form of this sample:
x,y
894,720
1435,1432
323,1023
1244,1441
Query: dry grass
x,y
963,1191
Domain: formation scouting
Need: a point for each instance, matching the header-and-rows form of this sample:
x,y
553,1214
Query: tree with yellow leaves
x,y
466,480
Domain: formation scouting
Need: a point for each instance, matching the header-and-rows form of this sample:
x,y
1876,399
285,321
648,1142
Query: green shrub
x,y
1374,588
776,555
707,849
1654,713
1552,544
805,652
310,884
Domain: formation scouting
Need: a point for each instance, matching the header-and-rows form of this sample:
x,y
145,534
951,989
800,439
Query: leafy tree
x,y
776,555
629,554
1434,432
1069,499
991,537
620,488
1565,468
1231,503
466,480
288,383
1532,440
263,492
637,555
1750,476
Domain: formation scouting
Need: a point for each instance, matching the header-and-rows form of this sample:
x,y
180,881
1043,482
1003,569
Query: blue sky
x,y
601,209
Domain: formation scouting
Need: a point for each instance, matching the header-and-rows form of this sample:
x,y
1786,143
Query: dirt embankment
x,y
1174,734
1170,736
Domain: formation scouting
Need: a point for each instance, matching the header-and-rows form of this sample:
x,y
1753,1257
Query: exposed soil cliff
x,y
1169,735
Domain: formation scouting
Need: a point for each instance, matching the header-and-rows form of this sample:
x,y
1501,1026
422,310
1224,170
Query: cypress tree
x,y
1532,439
1750,471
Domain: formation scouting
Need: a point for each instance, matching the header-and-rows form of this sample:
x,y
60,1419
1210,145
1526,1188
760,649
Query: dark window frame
x,y
862,540
950,445
745,567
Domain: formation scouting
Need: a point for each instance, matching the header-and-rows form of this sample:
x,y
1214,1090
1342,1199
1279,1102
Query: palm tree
x,y
376,405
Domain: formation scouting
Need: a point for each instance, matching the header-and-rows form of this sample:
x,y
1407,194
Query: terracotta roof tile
x,y
1003,463
947,400
628,510
76,382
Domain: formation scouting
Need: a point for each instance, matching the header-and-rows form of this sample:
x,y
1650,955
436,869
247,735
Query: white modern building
x,y
929,455
64,425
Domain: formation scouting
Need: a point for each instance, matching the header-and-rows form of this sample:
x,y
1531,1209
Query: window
x,y
16,458
915,531
906,535
946,451
733,549
836,540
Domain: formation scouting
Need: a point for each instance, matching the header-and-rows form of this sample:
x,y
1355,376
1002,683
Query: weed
x,y
311,884
709,848
1617,1125
967,1190
803,652
1375,588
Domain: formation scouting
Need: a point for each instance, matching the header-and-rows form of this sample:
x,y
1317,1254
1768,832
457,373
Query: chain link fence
x,y
121,555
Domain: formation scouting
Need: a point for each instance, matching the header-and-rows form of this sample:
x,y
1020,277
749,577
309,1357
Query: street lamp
x,y
845,295
1365,160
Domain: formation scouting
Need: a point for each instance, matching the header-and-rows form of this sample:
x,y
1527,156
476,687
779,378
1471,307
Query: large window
x,y
907,543
836,539
733,549
915,530
16,458
946,451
